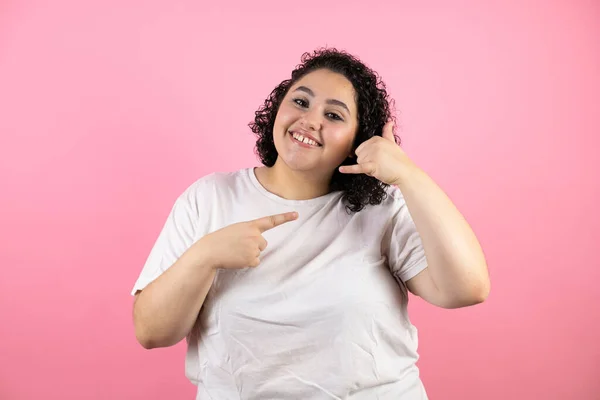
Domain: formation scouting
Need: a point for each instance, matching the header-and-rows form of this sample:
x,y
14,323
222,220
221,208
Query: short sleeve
x,y
177,235
406,254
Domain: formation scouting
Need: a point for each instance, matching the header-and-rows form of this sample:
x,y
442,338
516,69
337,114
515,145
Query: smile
x,y
303,140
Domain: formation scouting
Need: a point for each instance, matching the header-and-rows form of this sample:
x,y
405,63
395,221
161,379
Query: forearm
x,y
456,261
166,310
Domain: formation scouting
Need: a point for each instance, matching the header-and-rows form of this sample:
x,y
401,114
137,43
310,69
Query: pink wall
x,y
109,109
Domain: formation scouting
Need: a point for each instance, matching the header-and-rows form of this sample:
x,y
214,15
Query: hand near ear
x,y
381,158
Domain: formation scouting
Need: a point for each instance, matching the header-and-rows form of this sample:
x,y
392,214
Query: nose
x,y
312,120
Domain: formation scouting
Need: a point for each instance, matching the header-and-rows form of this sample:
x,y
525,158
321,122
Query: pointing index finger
x,y
272,221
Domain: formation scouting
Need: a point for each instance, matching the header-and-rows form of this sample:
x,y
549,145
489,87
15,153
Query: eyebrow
x,y
328,101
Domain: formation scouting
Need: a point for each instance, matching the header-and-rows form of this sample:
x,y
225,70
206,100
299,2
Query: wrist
x,y
203,254
406,174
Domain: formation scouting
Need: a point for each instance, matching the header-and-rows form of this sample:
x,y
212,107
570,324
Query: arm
x,y
457,274
166,310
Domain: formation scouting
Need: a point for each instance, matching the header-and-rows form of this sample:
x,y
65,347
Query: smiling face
x,y
316,123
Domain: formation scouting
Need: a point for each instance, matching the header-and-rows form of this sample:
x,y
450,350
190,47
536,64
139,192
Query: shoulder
x,y
391,204
217,180
394,196
202,189
386,215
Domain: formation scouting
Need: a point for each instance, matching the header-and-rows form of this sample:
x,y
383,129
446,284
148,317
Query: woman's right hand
x,y
239,245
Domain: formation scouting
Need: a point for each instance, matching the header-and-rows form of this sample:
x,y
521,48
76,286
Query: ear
x,y
352,153
388,131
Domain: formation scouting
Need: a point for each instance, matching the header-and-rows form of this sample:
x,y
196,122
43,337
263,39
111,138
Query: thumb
x,y
388,131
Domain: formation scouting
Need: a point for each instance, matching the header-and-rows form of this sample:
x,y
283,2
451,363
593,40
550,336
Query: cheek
x,y
285,116
342,138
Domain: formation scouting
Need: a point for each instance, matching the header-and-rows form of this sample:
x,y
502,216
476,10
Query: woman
x,y
290,280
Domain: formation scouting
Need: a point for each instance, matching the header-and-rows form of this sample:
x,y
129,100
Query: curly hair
x,y
374,110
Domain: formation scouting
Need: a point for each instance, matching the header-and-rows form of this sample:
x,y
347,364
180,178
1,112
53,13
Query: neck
x,y
292,185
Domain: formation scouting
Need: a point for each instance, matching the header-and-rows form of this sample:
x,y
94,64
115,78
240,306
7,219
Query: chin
x,y
298,165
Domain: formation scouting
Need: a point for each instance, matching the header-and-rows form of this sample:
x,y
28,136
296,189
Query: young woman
x,y
291,280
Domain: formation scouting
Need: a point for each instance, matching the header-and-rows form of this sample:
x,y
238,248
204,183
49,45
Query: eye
x,y
334,116
301,102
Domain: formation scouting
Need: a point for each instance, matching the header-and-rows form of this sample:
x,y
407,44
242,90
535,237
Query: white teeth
x,y
303,139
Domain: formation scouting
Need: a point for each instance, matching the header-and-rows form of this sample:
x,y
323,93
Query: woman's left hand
x,y
381,158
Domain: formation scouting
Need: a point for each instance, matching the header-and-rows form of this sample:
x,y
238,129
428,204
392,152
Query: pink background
x,y
109,109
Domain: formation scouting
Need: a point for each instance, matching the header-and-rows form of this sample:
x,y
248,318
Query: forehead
x,y
326,84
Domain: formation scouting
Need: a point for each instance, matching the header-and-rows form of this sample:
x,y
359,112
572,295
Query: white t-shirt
x,y
324,316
